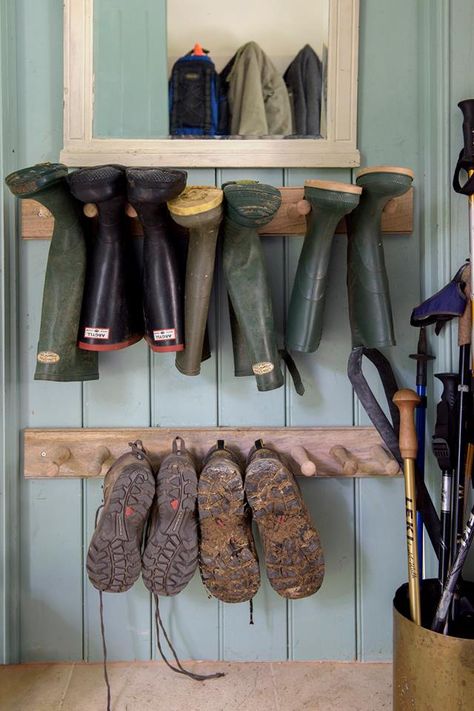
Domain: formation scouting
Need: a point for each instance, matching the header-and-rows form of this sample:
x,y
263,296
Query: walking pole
x,y
406,400
422,357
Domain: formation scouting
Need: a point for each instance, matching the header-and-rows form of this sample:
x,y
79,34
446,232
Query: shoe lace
x,y
179,669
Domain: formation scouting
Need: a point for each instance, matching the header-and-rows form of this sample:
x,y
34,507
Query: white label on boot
x,y
165,334
91,332
47,357
262,368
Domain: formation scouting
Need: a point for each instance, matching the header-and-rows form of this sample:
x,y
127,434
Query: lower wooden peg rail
x,y
333,451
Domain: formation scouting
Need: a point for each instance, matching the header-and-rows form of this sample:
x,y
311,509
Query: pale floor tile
x,y
291,686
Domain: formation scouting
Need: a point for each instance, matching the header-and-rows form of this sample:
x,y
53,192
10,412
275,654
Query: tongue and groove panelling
x,y
361,524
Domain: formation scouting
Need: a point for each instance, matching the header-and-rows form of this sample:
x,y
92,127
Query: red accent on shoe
x,y
174,504
281,518
220,523
129,511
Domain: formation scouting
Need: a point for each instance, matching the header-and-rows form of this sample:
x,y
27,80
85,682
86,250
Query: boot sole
x,y
228,558
171,552
292,549
114,555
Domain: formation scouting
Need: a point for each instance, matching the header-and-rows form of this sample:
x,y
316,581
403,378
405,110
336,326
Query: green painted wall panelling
x,y
412,74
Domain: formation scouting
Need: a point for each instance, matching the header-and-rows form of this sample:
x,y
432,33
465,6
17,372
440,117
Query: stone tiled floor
x,y
263,686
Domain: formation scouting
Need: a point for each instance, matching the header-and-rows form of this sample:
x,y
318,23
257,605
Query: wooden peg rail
x,y
312,451
37,222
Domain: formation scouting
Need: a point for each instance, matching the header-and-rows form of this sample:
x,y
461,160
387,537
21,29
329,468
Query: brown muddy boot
x,y
292,549
170,557
114,556
228,558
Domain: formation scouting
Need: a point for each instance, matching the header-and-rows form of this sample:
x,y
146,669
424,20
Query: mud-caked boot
x,y
292,549
170,557
58,357
329,201
114,555
111,316
228,557
198,209
149,189
370,311
249,206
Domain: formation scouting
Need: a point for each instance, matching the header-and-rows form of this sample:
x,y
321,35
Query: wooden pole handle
x,y
300,455
465,321
407,400
348,462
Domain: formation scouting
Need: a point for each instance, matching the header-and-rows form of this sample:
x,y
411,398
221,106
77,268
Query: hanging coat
x,y
258,99
304,81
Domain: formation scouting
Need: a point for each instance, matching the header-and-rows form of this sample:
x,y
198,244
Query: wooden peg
x,y
348,462
59,456
90,209
130,211
298,209
300,455
406,400
94,466
389,464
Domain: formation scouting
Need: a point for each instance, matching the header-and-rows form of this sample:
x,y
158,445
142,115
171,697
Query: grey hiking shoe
x,y
228,558
114,555
293,554
171,551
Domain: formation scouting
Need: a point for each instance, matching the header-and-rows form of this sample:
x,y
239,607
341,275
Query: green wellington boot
x,y
370,312
248,206
330,201
58,356
200,210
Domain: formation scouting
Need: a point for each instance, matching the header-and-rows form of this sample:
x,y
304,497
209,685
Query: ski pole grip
x,y
467,108
406,400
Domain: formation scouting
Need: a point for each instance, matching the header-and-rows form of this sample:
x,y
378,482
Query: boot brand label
x,y
48,357
165,334
262,368
91,332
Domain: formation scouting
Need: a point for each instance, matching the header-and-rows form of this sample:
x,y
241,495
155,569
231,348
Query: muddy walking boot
x,y
111,316
228,558
248,206
171,550
370,311
58,356
148,191
114,555
330,201
293,554
198,209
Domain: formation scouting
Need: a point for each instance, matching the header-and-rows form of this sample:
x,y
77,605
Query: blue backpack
x,y
194,96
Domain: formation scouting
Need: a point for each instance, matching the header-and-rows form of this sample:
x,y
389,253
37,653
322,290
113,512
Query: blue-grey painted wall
x,y
411,76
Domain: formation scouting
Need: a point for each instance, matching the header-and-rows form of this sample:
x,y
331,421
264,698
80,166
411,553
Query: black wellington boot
x,y
149,189
111,308
58,357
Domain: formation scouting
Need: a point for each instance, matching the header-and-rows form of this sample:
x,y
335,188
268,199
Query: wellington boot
x,y
248,206
198,209
330,201
293,555
228,557
111,316
114,555
370,311
58,356
170,557
148,191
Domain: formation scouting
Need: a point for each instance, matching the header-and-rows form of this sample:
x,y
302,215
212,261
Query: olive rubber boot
x,y
248,206
329,201
114,555
148,191
370,311
291,545
58,356
170,557
228,557
198,209
111,316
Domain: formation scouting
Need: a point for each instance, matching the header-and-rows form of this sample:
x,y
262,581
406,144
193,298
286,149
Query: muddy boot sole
x,y
292,549
170,557
228,558
114,555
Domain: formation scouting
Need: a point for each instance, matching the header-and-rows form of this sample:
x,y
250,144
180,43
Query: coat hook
x,y
59,456
389,465
101,455
90,209
298,209
348,461
300,455
130,211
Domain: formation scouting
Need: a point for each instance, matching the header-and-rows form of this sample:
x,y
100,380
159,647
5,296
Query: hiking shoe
x,y
114,555
171,551
228,558
291,545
